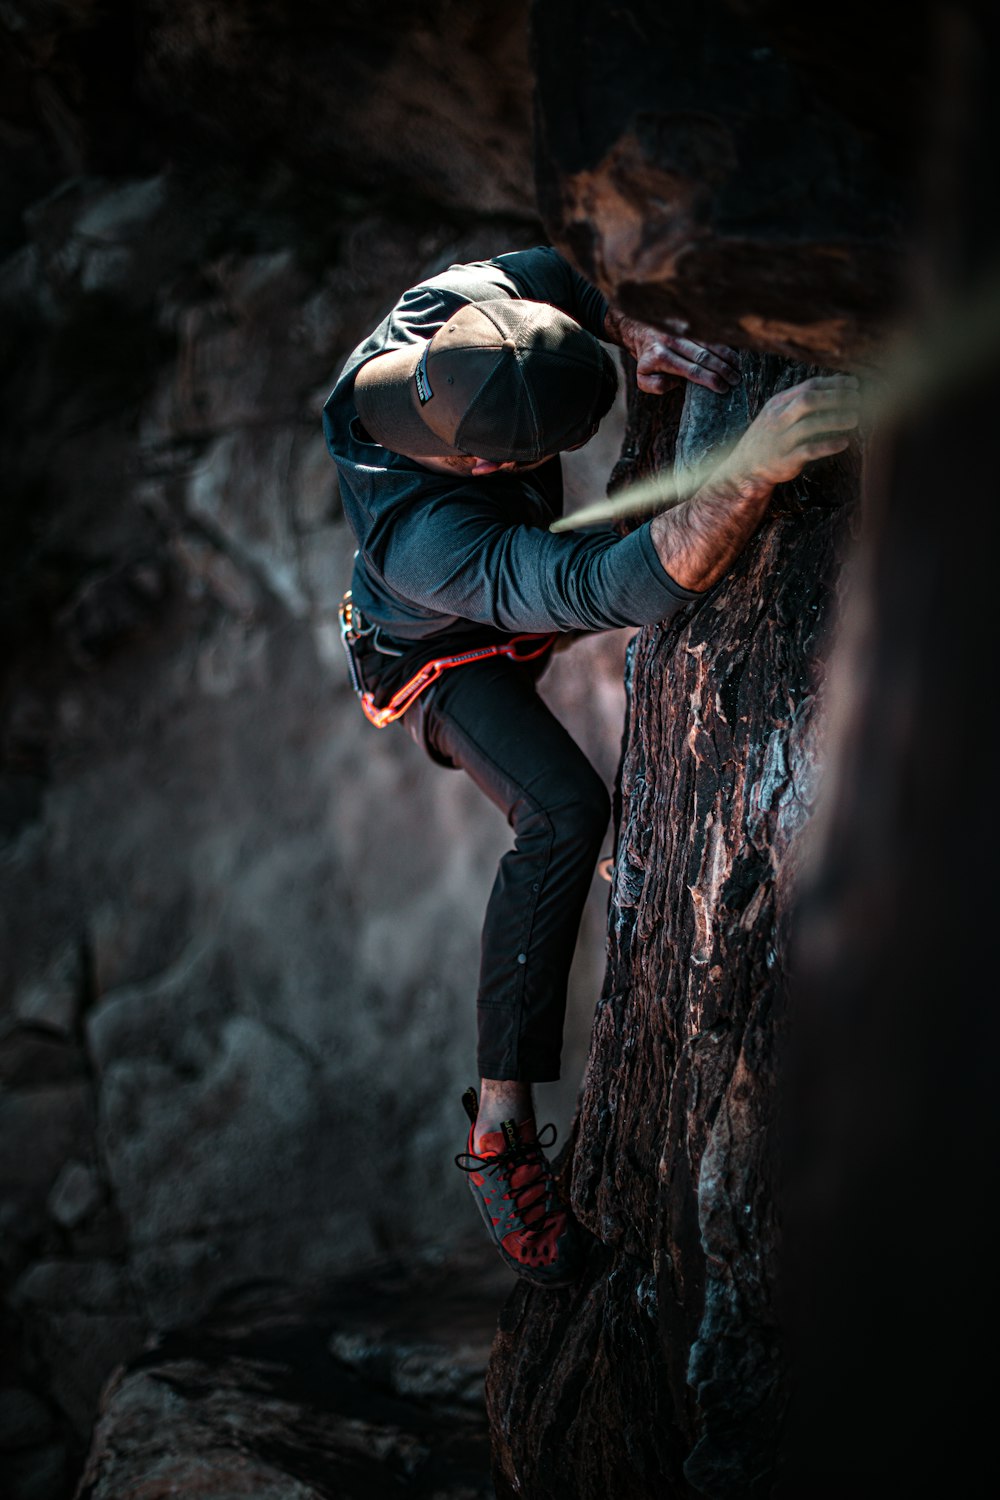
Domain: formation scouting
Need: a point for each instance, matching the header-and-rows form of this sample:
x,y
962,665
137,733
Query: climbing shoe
x,y
514,1189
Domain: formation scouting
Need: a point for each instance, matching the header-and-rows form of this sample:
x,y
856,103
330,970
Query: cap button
x,y
508,344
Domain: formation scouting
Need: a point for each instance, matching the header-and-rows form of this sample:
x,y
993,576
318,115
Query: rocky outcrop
x,y
733,166
430,107
894,1098
368,1386
202,918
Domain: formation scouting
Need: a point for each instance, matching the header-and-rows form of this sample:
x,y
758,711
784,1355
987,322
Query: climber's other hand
x,y
663,356
808,421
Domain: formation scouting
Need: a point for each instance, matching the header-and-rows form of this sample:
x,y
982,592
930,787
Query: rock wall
x,y
239,927
663,1371
726,171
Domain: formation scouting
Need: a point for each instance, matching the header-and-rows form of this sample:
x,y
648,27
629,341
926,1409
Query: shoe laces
x,y
522,1161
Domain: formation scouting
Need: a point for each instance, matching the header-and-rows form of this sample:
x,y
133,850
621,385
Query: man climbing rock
x,y
446,425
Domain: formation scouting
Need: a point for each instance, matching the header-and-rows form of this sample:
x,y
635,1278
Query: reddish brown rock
x,y
732,165
664,1374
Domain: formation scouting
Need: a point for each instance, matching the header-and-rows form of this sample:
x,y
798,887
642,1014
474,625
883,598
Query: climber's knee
x,y
580,818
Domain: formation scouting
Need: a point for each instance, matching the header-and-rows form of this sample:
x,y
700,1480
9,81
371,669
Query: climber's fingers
x,y
666,357
811,420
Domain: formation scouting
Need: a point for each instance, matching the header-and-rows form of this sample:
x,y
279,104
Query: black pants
x,y
487,719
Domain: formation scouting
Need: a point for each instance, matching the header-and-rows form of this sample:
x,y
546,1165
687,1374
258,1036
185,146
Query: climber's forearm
x,y
699,540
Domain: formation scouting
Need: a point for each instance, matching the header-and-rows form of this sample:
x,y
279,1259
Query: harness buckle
x,y
352,629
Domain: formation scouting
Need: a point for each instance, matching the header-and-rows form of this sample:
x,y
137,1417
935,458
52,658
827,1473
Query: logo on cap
x,y
424,392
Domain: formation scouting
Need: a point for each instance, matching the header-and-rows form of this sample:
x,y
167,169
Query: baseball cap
x,y
505,380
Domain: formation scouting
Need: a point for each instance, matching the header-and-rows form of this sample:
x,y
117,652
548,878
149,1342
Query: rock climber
x,y
445,425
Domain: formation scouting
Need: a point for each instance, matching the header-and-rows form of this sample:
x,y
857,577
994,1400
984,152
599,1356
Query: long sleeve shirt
x,y
448,562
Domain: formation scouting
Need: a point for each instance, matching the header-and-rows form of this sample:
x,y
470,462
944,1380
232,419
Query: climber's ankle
x,y
502,1099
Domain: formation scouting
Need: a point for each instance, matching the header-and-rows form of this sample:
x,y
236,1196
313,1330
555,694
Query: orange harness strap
x,y
404,698
432,670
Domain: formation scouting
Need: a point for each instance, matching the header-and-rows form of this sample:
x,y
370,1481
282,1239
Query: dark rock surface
x,y
898,1141
736,166
427,106
698,1147
366,1387
664,1372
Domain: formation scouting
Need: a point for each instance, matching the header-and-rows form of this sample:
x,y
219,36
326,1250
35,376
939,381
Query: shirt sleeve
x,y
543,275
454,555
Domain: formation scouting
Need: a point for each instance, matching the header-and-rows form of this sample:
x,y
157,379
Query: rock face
x,y
670,168
732,167
664,1372
238,927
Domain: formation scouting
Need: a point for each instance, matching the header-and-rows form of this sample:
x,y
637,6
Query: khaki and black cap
x,y
505,380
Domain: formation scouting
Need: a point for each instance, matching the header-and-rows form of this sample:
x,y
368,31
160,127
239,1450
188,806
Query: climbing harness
x,y
354,631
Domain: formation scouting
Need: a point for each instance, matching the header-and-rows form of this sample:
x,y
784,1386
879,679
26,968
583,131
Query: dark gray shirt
x,y
447,562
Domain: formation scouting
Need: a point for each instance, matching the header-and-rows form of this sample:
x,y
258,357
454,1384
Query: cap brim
x,y
385,394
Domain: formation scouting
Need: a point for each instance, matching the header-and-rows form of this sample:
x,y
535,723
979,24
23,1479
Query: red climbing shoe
x,y
513,1186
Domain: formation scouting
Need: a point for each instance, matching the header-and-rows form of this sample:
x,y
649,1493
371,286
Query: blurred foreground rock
x,y
896,1144
369,1386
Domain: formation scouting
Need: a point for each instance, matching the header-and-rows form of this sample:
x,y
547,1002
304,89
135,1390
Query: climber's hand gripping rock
x,y
665,355
811,420
698,540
